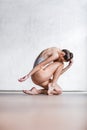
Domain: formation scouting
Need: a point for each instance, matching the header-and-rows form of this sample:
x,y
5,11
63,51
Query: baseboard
x,y
18,91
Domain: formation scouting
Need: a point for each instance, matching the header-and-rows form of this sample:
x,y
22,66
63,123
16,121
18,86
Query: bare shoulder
x,y
50,51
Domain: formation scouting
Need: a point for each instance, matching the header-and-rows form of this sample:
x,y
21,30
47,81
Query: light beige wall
x,y
29,26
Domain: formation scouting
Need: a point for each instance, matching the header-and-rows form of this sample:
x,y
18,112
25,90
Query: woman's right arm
x,y
39,66
42,64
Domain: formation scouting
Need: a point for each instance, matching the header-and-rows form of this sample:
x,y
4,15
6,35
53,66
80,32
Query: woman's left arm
x,y
67,67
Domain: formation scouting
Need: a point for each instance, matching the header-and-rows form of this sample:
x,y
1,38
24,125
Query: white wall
x,y
29,26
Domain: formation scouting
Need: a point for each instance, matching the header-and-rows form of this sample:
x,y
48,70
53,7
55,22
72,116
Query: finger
x,y
20,80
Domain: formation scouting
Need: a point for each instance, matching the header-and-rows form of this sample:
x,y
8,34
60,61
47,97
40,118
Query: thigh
x,y
51,68
45,74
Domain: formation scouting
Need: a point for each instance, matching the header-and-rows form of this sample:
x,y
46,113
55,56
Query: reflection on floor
x,y
19,111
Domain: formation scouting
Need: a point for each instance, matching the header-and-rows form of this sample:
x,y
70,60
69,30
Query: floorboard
x,y
19,111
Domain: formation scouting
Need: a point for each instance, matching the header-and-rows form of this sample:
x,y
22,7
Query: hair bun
x,y
71,55
68,55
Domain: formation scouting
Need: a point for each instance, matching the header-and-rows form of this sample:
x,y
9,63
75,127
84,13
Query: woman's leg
x,y
45,74
43,79
53,70
35,91
54,84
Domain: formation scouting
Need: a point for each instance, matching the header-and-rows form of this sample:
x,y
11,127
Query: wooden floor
x,y
19,111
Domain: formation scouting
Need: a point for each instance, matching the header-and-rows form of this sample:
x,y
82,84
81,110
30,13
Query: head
x,y
67,55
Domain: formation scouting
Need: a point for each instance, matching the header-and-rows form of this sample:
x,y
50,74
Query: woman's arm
x,y
67,67
39,66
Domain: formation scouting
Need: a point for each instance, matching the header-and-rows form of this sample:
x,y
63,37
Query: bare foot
x,y
58,89
54,90
32,91
50,89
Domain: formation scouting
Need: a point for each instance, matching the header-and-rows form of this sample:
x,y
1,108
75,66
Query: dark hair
x,y
68,55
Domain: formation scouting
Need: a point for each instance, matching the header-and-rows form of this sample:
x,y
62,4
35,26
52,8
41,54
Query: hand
x,y
23,78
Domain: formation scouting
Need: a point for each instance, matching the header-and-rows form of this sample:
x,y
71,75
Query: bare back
x,y
48,52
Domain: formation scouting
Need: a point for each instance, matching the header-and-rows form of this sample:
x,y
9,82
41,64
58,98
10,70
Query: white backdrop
x,y
29,26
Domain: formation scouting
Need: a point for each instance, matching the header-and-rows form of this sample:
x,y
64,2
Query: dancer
x,y
47,68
